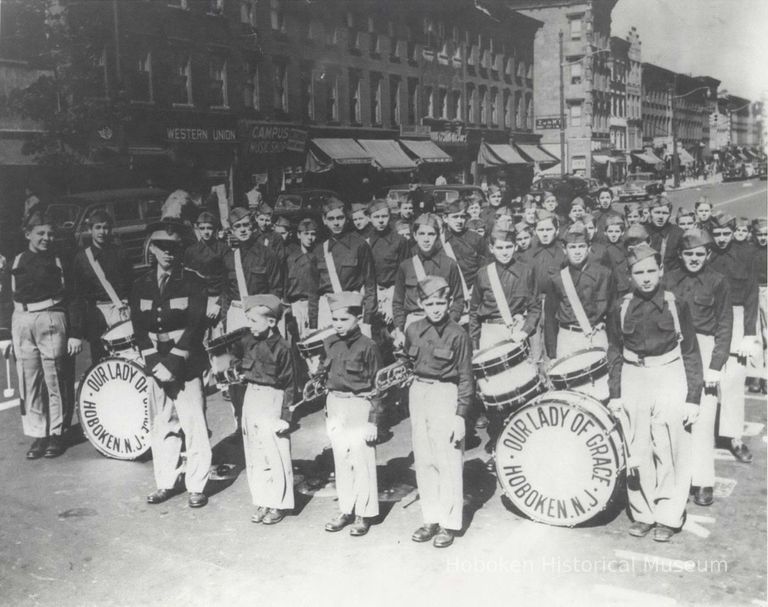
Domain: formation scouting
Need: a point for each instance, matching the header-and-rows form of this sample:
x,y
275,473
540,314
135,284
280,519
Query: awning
x,y
648,158
387,154
343,151
425,150
684,157
536,153
499,155
600,159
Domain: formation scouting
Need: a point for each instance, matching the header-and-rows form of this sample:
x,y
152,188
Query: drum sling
x,y
498,295
332,274
573,299
105,284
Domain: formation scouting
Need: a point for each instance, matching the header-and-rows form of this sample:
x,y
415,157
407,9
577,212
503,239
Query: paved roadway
x,y
77,531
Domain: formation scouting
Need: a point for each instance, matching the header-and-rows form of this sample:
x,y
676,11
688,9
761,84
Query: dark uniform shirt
x,y
352,362
442,352
488,216
598,253
667,238
735,266
759,269
179,309
354,267
405,299
262,270
273,241
471,251
38,277
600,216
649,330
117,269
207,259
617,256
302,274
547,261
709,301
596,290
389,250
518,282
267,361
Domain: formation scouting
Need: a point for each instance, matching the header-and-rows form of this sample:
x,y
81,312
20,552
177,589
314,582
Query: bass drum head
x,y
113,407
560,459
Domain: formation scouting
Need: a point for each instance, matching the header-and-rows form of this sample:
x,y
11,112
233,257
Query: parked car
x,y
438,195
749,170
640,186
299,203
734,172
564,188
132,209
762,170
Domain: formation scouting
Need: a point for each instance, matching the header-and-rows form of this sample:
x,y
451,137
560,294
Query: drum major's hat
x,y
431,285
377,205
271,304
694,238
640,252
238,213
345,299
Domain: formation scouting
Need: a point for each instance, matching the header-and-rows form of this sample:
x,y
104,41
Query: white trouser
x,y
732,384
384,296
267,455
354,459
172,416
438,463
654,399
703,430
569,341
324,317
493,333
300,311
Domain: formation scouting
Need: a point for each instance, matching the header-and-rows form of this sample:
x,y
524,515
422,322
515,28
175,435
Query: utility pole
x,y
675,157
562,109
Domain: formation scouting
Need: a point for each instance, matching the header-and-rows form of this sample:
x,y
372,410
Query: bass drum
x,y
113,407
560,459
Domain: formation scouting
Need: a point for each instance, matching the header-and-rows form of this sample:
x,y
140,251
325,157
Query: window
x,y
509,70
332,97
576,72
376,99
217,82
529,111
574,114
140,78
508,110
277,15
429,99
443,102
394,100
483,105
178,4
354,97
495,103
280,86
373,38
518,110
215,7
471,104
247,12
413,99
307,91
575,28
251,97
521,69
456,105
181,87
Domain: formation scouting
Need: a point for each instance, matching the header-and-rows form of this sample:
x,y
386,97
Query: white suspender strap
x,y
242,286
573,299
418,267
624,308
663,251
498,295
669,297
13,276
449,251
332,274
105,284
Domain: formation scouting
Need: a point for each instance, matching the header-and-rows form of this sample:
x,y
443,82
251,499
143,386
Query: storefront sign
x,y
205,134
297,140
414,130
457,137
271,138
548,123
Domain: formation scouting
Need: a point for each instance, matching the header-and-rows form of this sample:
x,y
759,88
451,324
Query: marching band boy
x,y
206,257
665,235
352,416
655,377
268,370
439,401
301,269
603,211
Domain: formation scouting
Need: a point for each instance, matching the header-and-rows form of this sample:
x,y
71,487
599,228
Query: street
x,y
77,530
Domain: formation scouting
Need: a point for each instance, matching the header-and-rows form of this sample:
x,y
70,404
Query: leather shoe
x,y
662,533
160,496
273,516
704,496
37,449
197,500
740,452
425,532
259,515
54,447
339,522
360,526
639,529
443,539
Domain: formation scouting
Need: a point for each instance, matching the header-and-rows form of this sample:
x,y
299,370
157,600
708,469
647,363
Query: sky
x,y
725,39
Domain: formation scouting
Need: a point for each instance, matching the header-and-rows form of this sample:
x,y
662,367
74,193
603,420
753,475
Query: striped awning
x,y
499,155
425,150
343,151
387,154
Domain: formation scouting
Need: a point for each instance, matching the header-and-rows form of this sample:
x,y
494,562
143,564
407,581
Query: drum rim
x,y
329,330
226,339
80,385
518,393
571,375
521,351
612,433
127,321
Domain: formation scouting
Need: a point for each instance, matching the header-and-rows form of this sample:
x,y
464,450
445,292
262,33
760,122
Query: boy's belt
x,y
652,361
37,306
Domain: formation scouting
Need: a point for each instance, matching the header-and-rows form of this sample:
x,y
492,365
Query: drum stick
x,y
9,391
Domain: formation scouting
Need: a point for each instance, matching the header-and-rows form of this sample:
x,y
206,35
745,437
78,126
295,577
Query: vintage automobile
x,y
300,203
734,172
762,170
434,196
564,188
640,186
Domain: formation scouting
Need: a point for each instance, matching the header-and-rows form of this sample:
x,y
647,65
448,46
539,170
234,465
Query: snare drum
x,y
225,354
118,340
560,459
585,371
505,375
113,407
312,344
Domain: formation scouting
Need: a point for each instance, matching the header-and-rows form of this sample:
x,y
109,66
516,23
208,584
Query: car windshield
x,y
64,215
640,177
289,201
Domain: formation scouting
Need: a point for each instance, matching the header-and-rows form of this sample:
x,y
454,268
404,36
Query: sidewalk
x,y
693,183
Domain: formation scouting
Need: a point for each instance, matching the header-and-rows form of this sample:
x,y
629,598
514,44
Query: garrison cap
x,y
38,218
206,217
760,224
237,213
576,232
702,200
345,299
614,220
640,252
282,220
377,205
578,202
694,238
100,216
636,233
264,209
723,220
306,225
659,201
332,204
500,234
429,219
271,303
431,285
357,207
456,206
742,222
544,215
402,226
529,202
